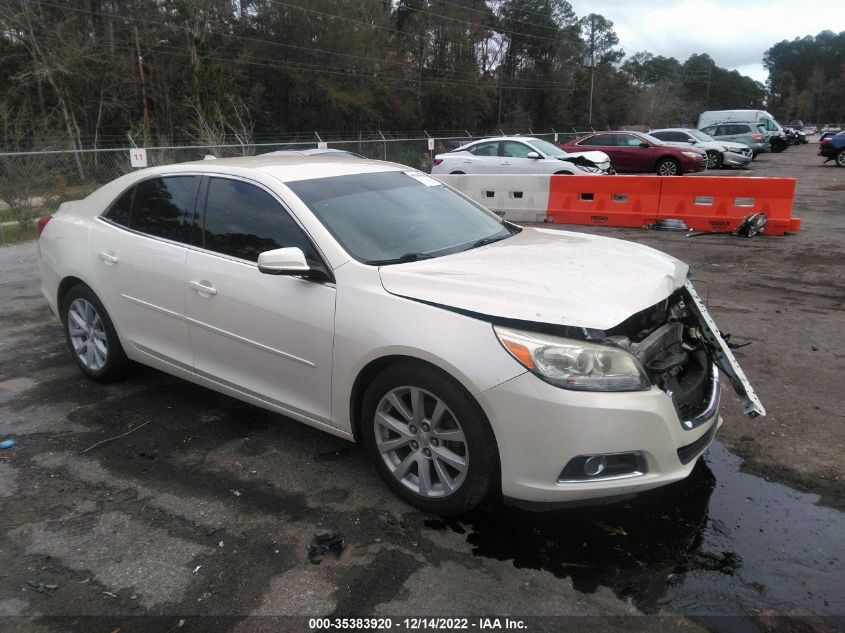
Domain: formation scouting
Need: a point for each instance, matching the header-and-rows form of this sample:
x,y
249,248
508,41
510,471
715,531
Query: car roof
x,y
287,168
496,138
671,129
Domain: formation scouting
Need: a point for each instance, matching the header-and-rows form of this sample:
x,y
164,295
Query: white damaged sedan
x,y
468,355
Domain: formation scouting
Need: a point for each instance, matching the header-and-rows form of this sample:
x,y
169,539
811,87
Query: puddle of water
x,y
720,542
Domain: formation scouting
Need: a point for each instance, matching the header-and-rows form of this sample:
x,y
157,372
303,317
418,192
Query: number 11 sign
x,y
138,157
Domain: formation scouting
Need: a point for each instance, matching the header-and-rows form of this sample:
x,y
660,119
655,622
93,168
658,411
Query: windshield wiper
x,y
484,241
407,257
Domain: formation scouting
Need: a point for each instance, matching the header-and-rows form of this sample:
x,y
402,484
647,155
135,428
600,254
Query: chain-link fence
x,y
33,184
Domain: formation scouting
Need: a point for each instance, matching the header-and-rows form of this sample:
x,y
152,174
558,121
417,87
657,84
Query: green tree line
x,y
85,73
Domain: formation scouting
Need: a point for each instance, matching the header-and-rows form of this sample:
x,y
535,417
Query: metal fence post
x,y
385,144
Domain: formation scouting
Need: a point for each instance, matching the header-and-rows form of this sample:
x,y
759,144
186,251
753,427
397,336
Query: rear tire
x,y
668,167
840,158
408,413
455,173
91,337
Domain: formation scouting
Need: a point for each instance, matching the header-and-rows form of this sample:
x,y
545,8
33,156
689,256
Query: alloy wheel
x,y
712,160
668,168
87,334
421,442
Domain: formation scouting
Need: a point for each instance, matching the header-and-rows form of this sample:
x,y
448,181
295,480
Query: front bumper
x,y
734,159
539,428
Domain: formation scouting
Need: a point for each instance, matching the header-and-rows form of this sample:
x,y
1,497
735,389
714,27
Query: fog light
x,y
603,466
594,465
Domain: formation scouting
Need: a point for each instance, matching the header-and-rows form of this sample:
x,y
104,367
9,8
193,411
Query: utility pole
x,y
707,94
592,64
143,85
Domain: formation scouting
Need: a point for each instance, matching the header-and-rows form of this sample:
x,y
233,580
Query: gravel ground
x,y
200,519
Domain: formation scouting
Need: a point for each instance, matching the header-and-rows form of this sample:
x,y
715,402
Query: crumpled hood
x,y
546,276
600,159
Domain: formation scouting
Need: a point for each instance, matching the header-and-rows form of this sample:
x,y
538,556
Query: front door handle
x,y
108,257
203,287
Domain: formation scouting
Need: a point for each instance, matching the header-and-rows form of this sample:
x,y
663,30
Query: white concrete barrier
x,y
523,198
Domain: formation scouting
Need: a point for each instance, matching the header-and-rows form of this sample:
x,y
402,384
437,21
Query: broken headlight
x,y
573,364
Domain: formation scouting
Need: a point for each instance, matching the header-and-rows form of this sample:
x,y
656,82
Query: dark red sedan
x,y
638,152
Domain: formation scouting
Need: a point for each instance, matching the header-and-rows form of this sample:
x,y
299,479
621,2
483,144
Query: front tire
x,y
428,439
668,167
91,337
714,160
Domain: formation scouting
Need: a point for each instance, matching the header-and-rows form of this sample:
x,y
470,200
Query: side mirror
x,y
692,141
283,261
532,155
644,145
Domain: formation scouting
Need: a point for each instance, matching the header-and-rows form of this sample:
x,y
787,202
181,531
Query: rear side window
x,y
485,149
161,207
242,220
605,140
121,210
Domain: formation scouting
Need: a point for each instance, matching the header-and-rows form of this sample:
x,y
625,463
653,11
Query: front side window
x,y
160,207
387,217
513,149
628,140
242,220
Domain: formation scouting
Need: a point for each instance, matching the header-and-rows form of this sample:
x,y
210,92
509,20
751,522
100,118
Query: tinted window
x,y
163,206
485,149
605,140
121,209
628,140
663,136
514,149
243,221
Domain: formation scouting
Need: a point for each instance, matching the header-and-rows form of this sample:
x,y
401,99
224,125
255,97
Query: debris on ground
x,y
196,569
8,444
116,437
331,455
210,531
39,587
328,542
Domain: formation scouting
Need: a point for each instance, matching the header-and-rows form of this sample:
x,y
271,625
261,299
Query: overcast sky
x,y
735,33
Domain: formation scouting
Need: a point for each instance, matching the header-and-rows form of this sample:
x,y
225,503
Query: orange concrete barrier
x,y
720,203
631,201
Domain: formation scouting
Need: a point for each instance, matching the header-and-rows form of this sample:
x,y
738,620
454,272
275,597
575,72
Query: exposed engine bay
x,y
667,341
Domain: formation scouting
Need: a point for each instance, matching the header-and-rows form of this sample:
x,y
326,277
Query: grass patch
x,y
13,233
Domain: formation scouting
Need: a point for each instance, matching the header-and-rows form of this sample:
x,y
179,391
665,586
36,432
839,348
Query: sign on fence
x,y
322,145
138,157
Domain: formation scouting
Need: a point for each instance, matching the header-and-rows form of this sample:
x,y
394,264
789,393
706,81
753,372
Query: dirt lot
x,y
200,520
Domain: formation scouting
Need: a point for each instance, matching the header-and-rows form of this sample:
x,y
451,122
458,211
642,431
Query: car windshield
x,y
701,136
547,148
392,217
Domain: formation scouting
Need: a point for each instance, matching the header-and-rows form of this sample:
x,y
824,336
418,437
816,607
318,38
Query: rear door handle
x,y
108,257
203,287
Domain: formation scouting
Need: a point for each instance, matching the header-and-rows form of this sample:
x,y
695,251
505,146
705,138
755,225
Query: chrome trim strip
x,y
712,405
216,330
241,339
634,473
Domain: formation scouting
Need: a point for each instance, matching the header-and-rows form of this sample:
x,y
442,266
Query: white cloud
x,y
734,35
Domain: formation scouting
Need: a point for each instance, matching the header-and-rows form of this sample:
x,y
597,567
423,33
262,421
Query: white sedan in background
x,y
719,153
468,355
518,155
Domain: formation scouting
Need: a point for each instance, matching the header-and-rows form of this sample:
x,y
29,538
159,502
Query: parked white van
x,y
760,119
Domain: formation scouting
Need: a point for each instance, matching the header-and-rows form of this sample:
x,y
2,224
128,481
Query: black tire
x,y
563,173
455,173
840,158
482,461
714,159
668,167
116,364
778,146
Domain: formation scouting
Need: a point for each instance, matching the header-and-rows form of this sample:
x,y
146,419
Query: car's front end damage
x,y
614,385
570,447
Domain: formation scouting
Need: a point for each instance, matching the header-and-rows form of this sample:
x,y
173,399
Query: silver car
x,y
518,155
719,153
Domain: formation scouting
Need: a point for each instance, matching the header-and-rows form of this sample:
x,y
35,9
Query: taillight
x,y
757,137
825,141
42,222
437,161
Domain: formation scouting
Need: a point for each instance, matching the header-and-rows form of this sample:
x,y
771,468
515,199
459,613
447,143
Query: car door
x,y
483,158
139,247
633,157
269,336
602,142
514,161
